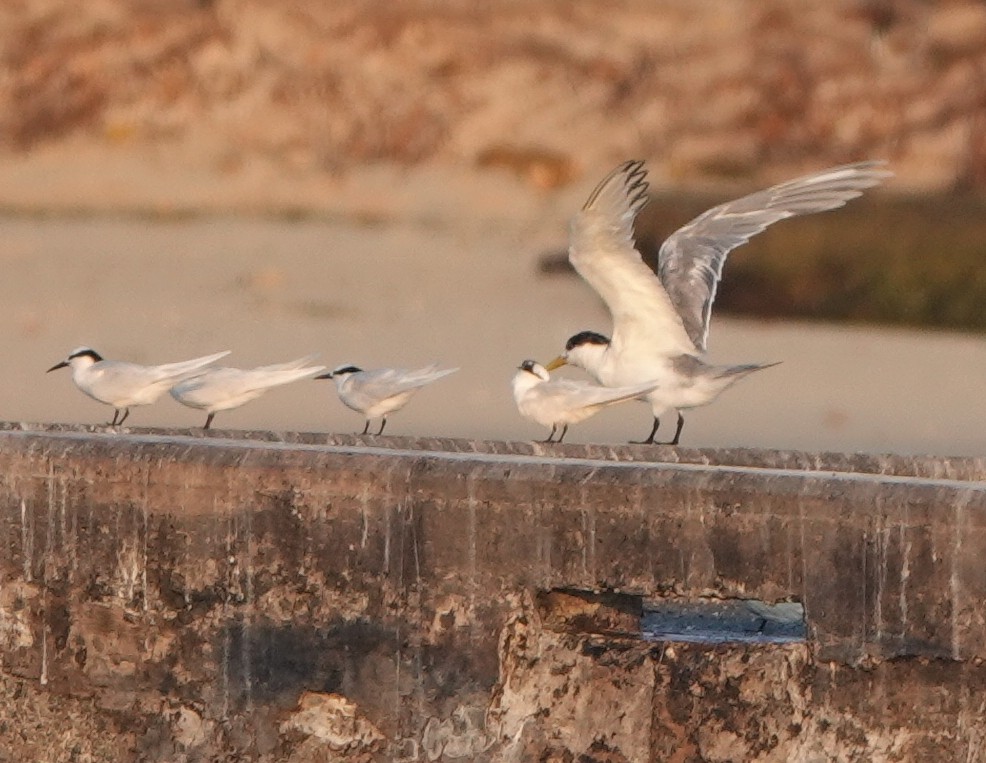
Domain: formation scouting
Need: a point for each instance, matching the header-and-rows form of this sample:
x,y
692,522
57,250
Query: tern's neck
x,y
80,366
588,357
524,381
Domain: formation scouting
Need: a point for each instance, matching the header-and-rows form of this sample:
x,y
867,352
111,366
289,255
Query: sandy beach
x,y
406,268
377,184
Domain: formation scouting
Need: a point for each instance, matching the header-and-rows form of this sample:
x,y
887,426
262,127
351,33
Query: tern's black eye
x,y
527,365
346,370
585,337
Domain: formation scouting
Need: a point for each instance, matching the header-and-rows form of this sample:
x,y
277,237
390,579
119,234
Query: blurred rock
x,y
712,90
332,720
543,169
190,729
721,154
958,29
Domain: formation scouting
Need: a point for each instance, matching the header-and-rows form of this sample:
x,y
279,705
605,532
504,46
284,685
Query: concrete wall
x,y
217,596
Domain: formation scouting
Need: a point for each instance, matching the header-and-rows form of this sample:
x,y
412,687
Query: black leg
x,y
564,429
208,420
366,428
551,436
126,412
650,437
382,425
677,432
115,414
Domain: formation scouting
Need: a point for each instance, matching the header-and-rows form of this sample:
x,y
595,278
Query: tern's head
x,y
80,357
341,372
584,350
534,368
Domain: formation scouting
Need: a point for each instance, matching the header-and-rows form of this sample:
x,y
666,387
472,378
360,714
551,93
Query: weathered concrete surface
x,y
179,596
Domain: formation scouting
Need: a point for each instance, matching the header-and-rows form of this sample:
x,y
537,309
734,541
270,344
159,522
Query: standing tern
x,y
220,389
562,402
125,385
661,320
380,392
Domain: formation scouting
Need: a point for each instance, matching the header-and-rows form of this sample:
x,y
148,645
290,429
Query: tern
x,y
562,402
380,392
220,389
661,320
125,385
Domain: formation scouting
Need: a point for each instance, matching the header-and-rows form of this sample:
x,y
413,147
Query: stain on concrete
x,y
204,597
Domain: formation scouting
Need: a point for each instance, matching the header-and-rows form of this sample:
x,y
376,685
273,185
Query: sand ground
x,y
401,268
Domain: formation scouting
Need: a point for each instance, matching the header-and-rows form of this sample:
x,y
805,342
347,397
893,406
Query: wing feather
x,y
572,393
691,259
387,382
602,251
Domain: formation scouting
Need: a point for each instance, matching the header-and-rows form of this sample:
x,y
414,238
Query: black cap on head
x,y
346,369
527,365
585,337
78,352
86,352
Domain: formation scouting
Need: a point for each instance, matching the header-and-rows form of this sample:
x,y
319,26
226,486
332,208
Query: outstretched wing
x,y
691,259
602,251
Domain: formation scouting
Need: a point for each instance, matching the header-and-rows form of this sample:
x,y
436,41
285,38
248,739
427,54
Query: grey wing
x,y
172,370
375,385
119,375
558,399
211,385
289,366
119,379
382,383
583,395
422,376
602,251
691,259
189,386
265,377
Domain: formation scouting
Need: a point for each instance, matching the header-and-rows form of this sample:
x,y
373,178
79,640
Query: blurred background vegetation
x,y
907,260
